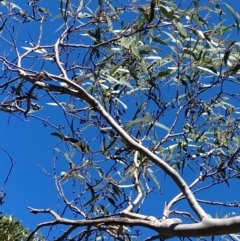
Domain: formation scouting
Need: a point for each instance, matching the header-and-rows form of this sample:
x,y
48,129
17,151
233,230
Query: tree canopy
x,y
146,95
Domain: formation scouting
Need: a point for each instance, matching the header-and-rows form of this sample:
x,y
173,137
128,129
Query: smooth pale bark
x,y
208,227
166,229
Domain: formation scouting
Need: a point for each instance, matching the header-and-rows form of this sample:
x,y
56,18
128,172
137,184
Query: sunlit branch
x,y
137,186
79,92
91,222
180,196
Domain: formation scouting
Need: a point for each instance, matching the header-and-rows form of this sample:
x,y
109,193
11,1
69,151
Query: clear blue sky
x,y
30,144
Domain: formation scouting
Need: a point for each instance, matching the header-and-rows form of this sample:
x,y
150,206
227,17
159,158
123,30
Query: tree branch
x,y
79,92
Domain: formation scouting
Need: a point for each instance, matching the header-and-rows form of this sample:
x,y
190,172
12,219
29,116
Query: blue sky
x,y
30,145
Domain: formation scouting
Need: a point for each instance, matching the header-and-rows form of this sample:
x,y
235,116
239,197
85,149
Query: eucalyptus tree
x,y
149,92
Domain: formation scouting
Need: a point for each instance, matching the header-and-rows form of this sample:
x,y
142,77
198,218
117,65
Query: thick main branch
x,y
208,227
167,228
79,92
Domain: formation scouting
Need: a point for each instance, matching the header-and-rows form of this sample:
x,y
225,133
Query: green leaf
x,y
84,15
91,189
80,145
100,3
158,40
181,30
195,3
2,26
111,201
44,10
119,101
105,211
65,154
151,14
108,130
77,177
126,186
61,9
165,11
13,5
57,134
152,175
208,70
235,236
97,35
146,118
91,200
161,126
116,190
120,81
234,14
227,53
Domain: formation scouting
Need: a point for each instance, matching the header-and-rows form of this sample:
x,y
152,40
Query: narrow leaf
x,y
181,30
152,175
105,211
126,186
91,200
91,189
57,134
161,126
136,121
152,7
207,70
234,14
